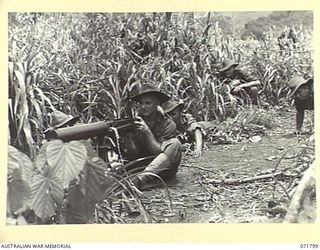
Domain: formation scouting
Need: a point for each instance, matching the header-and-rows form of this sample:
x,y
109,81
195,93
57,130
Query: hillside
x,y
244,17
256,22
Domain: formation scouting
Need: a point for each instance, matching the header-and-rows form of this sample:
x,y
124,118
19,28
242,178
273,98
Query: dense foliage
x,y
86,64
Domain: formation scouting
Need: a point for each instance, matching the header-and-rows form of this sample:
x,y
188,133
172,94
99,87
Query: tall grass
x,y
86,64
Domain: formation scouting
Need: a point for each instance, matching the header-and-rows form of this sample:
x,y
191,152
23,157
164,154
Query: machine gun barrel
x,y
91,130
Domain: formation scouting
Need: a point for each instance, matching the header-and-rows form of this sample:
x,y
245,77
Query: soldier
x,y
241,85
60,120
155,134
188,128
302,91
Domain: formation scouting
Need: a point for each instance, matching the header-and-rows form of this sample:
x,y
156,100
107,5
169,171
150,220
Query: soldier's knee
x,y
173,149
175,142
172,145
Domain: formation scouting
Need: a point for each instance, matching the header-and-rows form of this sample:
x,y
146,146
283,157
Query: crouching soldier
x,y
241,84
188,128
155,135
60,120
302,92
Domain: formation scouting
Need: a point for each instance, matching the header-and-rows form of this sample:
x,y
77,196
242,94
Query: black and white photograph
x,y
160,117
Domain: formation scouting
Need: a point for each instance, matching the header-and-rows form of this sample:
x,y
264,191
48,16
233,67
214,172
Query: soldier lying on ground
x,y
188,128
154,135
241,85
302,91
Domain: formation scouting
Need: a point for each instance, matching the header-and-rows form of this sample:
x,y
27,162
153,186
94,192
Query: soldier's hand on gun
x,y
141,126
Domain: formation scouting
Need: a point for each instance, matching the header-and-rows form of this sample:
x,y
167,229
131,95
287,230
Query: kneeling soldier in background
x,y
302,91
241,84
60,119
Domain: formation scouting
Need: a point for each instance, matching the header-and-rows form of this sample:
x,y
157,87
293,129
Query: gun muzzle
x,y
86,131
79,132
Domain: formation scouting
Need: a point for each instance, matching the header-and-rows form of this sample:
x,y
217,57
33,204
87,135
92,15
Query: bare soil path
x,y
197,197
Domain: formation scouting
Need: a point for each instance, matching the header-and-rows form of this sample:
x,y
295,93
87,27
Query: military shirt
x,y
162,127
239,75
187,128
302,105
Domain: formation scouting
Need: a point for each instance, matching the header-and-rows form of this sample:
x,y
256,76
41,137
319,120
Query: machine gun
x,y
91,130
108,134
105,135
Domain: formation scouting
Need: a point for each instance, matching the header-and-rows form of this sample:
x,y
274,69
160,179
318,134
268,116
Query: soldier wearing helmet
x,y
302,92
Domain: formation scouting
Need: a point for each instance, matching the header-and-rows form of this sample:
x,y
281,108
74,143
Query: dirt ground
x,y
198,197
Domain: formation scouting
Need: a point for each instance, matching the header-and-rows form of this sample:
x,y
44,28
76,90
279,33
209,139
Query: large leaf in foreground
x,y
79,210
94,179
66,159
18,195
40,161
19,160
46,193
83,197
